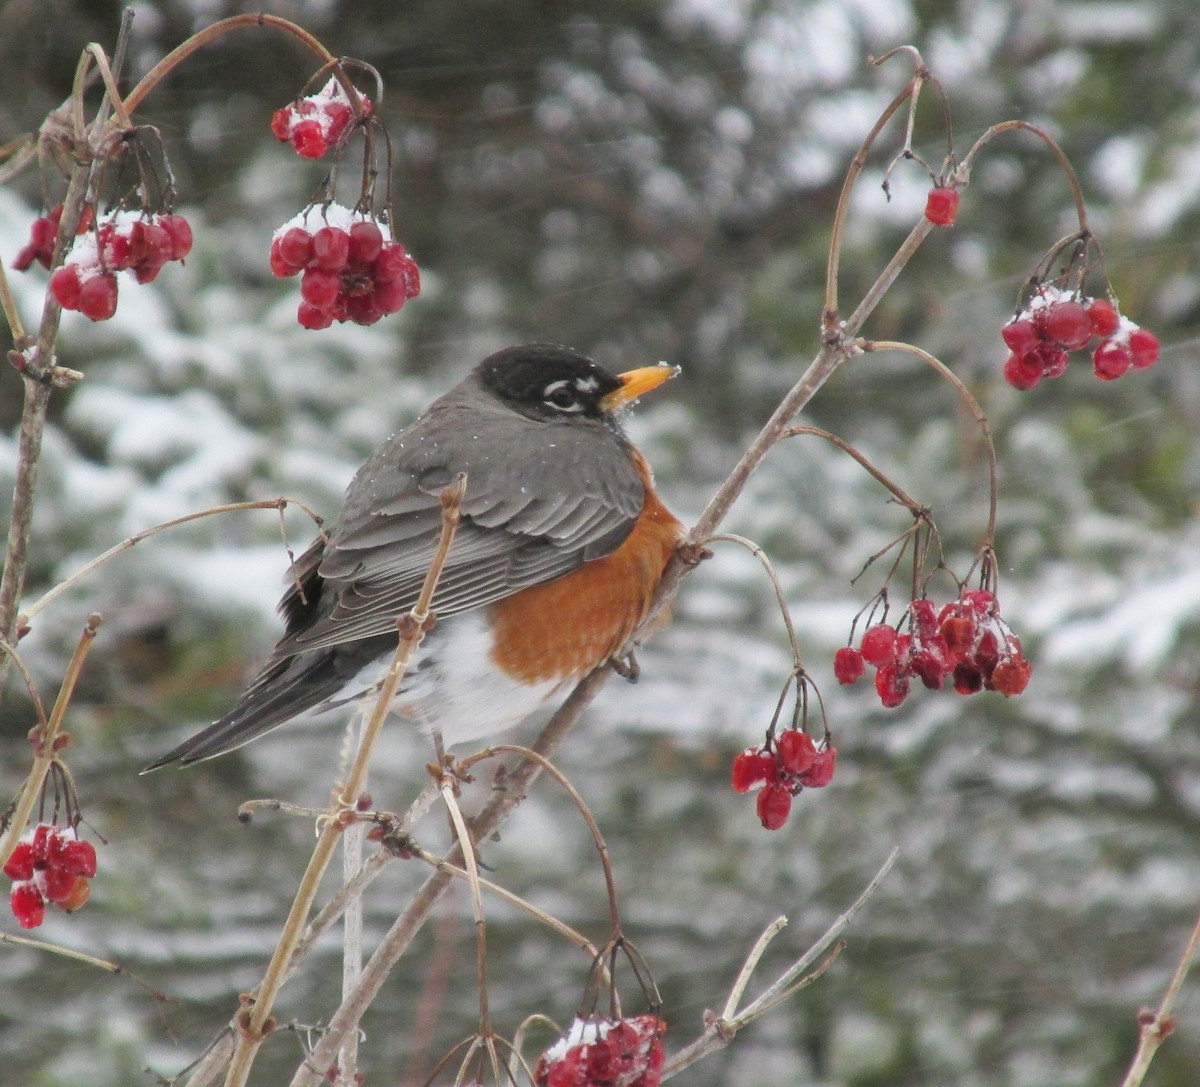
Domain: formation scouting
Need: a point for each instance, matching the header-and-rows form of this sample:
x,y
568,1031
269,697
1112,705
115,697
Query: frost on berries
x,y
965,642
1056,322
314,124
50,865
350,268
128,241
782,767
625,1052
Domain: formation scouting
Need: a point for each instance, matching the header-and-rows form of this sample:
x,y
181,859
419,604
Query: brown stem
x,y
218,29
830,316
258,1023
409,923
1063,162
902,496
968,398
46,754
1158,1025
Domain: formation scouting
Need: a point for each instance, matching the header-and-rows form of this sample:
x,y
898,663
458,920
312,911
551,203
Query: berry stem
x,y
903,497
780,598
1063,162
217,30
972,406
614,916
857,164
46,755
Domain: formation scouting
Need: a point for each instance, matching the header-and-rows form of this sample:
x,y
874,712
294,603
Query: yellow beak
x,y
636,382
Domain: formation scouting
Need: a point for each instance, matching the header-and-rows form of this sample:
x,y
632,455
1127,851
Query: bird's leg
x,y
627,667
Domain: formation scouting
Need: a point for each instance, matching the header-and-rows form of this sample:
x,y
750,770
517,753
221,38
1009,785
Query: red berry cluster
x,y
314,124
352,270
1057,322
129,241
49,864
600,1053
941,205
779,769
966,641
42,233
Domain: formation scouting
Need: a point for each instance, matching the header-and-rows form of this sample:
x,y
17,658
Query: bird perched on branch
x,y
560,548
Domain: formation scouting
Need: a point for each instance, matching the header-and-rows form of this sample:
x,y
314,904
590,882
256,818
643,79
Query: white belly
x,y
452,687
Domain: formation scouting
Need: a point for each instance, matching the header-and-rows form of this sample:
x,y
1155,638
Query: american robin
x,y
560,547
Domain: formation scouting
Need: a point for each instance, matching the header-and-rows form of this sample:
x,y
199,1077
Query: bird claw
x,y
627,667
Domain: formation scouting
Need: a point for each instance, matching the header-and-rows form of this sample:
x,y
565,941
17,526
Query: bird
x,y
562,542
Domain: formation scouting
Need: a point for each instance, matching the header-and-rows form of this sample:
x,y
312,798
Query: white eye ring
x,y
554,397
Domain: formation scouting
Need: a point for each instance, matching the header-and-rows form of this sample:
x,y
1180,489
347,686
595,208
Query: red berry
x,y
967,679
1103,317
879,644
80,892
848,665
981,602
1052,358
179,231
366,242
147,271
958,632
1111,359
310,316
1143,348
774,804
331,248
43,835
751,769
390,296
295,248
308,139
20,863
57,883
941,205
281,123
1021,336
98,297
339,115
796,750
891,685
79,858
1011,677
363,309
924,617
1023,371
65,286
1068,324
820,773
392,263
116,250
28,906
320,288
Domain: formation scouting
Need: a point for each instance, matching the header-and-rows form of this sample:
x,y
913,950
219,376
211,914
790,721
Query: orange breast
x,y
565,628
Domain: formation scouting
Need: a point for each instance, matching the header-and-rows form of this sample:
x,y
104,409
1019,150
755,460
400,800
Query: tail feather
x,y
283,690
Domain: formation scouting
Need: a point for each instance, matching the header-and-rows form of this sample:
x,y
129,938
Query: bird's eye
x,y
561,396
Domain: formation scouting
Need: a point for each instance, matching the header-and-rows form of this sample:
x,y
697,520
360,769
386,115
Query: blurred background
x,y
651,180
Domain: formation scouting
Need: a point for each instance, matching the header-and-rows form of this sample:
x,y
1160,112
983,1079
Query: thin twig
x,y
1157,1026
719,1032
254,1026
46,753
972,405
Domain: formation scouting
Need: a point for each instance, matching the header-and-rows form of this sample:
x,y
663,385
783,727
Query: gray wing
x,y
565,495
